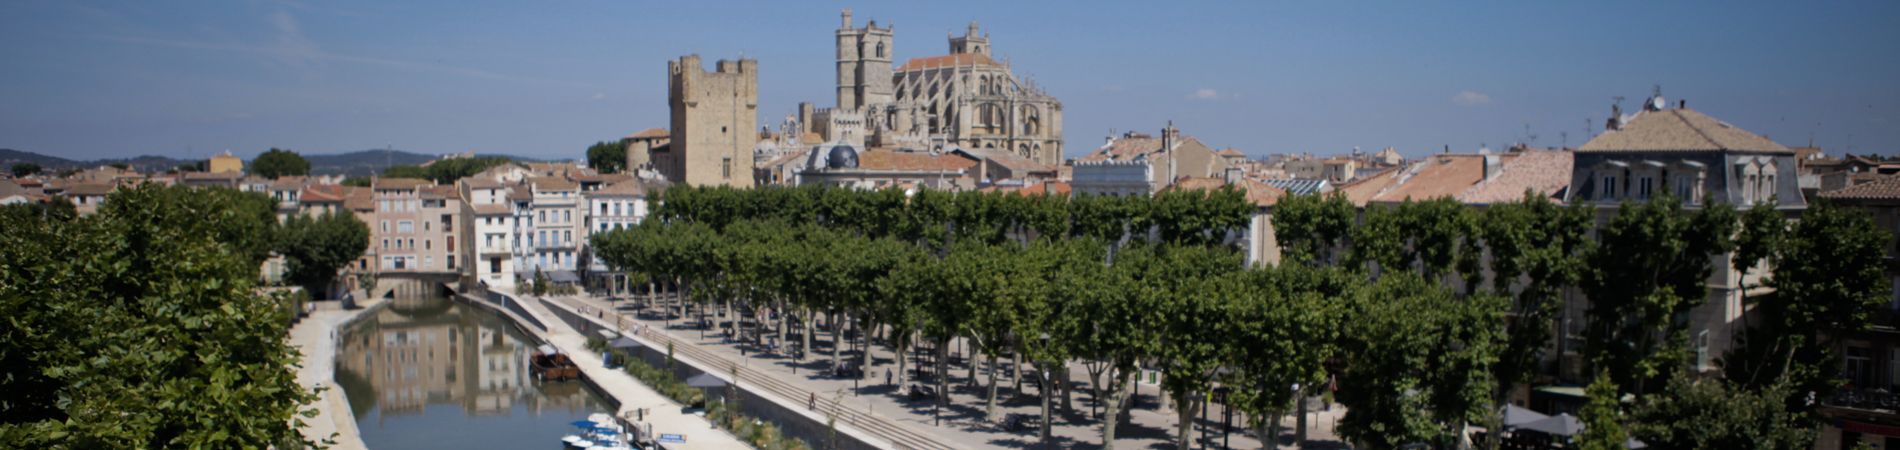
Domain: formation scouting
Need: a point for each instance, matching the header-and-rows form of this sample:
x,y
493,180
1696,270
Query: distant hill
x,y
358,163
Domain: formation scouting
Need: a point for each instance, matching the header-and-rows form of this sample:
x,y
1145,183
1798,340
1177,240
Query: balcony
x,y
1865,399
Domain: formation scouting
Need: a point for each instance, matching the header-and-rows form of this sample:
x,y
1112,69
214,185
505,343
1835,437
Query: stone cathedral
x,y
963,99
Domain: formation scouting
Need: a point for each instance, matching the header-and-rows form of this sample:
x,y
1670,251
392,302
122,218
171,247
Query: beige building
x,y
1137,163
963,99
715,123
415,224
226,163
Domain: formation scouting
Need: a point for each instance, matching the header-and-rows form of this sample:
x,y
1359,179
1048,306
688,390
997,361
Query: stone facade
x,y
714,123
963,99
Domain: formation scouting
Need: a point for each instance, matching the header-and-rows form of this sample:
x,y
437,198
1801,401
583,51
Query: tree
x,y
1282,331
607,156
1312,228
316,247
1419,360
1649,269
1712,413
1536,250
1828,283
357,181
244,222
140,327
21,170
1194,305
1602,418
279,162
405,171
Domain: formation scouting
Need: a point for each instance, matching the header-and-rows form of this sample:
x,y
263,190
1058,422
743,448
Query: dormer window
x,y
1645,188
1609,187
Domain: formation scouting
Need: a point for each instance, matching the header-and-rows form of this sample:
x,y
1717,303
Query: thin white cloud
x,y
600,96
1204,94
1471,98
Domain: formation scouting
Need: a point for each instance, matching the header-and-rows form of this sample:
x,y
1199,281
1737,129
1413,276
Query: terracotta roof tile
x,y
649,133
553,184
942,61
400,183
1259,194
1882,188
894,160
492,210
321,193
1680,129
1545,172
359,198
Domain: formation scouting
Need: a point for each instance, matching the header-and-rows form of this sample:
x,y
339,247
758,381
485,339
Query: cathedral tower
x,y
864,64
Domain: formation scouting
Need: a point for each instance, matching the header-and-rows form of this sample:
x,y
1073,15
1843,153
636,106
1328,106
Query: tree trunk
x,y
901,345
1067,384
837,338
1046,420
1299,402
989,405
1016,371
864,354
1184,410
1117,402
804,338
943,372
969,358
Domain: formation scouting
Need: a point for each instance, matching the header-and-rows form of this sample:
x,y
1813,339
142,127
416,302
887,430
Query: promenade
x,y
315,338
962,424
663,415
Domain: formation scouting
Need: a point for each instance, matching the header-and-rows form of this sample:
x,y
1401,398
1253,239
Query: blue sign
x,y
673,438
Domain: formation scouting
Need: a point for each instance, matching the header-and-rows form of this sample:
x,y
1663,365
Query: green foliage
x,y
1536,252
447,170
1650,266
357,181
1419,361
24,169
1602,417
244,222
1828,282
1282,330
1715,414
607,156
139,326
278,162
1312,228
660,379
316,247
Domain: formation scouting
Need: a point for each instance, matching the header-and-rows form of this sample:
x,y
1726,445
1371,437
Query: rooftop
x,y
911,161
1679,129
1883,188
942,61
649,133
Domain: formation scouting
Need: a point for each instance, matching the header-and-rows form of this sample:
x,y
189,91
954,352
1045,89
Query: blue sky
x,y
186,79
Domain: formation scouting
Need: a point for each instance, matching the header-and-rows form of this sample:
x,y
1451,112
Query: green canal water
x,y
429,373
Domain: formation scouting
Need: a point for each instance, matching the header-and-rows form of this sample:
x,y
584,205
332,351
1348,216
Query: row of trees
x,y
1427,313
142,325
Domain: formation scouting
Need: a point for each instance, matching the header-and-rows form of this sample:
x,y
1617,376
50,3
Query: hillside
x,y
358,163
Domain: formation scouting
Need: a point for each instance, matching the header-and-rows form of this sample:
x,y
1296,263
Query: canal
x,y
428,373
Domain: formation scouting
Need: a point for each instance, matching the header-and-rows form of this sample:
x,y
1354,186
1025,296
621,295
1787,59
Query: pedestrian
x,y
887,376
813,402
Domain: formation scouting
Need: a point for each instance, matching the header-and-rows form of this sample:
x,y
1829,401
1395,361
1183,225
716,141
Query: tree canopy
x,y
279,162
141,327
315,247
607,156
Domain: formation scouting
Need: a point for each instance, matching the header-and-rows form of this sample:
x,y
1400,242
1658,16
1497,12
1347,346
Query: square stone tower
x,y
864,64
715,122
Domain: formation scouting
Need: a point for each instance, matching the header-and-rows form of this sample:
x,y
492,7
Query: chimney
x,y
1492,165
1682,104
1233,175
1616,118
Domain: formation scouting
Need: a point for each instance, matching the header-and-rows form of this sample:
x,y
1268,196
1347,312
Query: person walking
x,y
813,402
887,376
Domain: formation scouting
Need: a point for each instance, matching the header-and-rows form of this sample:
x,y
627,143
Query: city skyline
x,y
126,79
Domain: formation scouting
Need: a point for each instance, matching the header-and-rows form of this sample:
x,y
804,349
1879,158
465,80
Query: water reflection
x,y
430,373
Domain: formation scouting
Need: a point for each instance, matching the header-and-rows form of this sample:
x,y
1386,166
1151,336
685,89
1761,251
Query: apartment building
x,y
415,226
616,206
553,228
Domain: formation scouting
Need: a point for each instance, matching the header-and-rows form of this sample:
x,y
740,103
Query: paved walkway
x,y
315,338
663,415
963,421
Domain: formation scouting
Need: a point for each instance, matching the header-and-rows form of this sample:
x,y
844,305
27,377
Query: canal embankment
x,y
315,337
661,415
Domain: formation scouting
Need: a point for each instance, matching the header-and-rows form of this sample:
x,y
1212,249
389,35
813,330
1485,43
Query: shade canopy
x,y
625,343
1558,425
1517,415
705,380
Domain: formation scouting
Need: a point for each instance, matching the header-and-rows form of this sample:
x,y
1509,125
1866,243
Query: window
x,y
425,226
451,242
725,167
385,243
567,217
425,244
385,227
405,227
448,223
1609,188
428,261
451,263
567,237
1685,188
603,209
1645,188
494,265
1859,366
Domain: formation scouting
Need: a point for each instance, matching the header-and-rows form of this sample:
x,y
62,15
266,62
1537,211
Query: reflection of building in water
x,y
420,352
